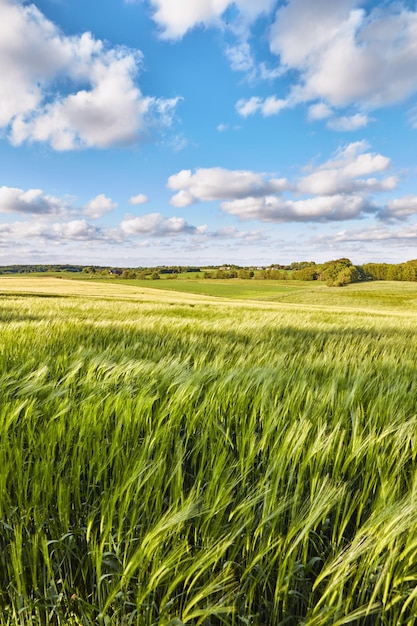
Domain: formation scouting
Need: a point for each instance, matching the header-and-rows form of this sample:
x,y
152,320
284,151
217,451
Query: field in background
x,y
389,295
180,458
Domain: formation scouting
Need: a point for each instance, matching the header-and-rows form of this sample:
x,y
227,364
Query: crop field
x,y
171,458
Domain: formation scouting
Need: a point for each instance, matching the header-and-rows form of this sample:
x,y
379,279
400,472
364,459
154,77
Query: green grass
x,y
392,295
377,295
174,459
233,288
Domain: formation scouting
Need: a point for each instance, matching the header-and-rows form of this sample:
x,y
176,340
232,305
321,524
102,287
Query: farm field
x,y
382,294
245,455
386,294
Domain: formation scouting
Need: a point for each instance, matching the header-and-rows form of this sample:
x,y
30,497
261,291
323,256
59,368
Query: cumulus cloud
x,y
156,225
375,234
218,183
99,206
301,29
341,188
372,243
346,55
54,232
339,55
319,111
345,171
266,106
249,106
318,209
400,208
99,104
233,18
75,230
345,123
140,198
176,20
32,201
348,123
40,229
14,231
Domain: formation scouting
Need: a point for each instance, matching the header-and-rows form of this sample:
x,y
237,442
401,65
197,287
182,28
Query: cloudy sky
x,y
146,132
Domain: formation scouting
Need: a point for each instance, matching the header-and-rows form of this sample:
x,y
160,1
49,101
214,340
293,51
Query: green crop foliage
x,y
170,459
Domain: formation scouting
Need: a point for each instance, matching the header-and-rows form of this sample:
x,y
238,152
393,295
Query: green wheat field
x,y
221,458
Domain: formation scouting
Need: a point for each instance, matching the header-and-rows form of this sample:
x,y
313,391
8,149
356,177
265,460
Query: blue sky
x,y
148,132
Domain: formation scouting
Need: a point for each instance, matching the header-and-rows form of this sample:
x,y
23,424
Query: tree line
x,y
337,272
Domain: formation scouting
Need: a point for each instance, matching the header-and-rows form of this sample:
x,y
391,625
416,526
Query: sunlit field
x,y
172,458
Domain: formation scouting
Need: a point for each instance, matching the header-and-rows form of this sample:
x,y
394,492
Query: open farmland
x,y
174,458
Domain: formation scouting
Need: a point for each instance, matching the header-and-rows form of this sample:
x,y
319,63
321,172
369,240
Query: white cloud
x,y
348,123
269,73
266,106
15,231
40,229
341,188
317,209
177,142
344,172
401,237
175,18
245,236
273,105
217,183
345,55
75,230
322,111
43,231
32,201
99,206
233,18
240,57
246,107
156,225
302,28
182,199
140,198
339,56
400,208
319,111
412,116
165,109
175,21
99,104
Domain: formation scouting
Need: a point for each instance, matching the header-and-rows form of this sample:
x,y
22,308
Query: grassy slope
x,y
374,294
172,458
387,295
377,295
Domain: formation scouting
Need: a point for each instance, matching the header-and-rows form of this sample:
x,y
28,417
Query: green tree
x,y
340,272
128,273
245,273
306,273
